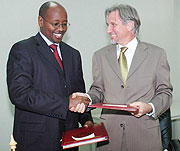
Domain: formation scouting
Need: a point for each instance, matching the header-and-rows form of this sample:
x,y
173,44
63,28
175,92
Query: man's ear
x,y
130,25
40,21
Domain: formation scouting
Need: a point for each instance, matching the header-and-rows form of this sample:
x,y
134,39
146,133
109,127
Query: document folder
x,y
114,106
84,136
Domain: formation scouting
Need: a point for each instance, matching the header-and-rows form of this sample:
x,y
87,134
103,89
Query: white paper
x,y
115,105
83,138
84,143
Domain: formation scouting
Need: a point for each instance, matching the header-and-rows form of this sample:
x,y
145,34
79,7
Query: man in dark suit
x,y
130,72
41,88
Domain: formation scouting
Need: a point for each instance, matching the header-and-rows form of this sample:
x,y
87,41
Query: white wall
x,y
160,25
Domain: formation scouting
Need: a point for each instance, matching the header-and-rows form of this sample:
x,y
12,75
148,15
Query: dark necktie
x,y
54,47
123,64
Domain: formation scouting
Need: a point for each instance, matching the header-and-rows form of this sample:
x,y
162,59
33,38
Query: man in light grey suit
x,y
147,86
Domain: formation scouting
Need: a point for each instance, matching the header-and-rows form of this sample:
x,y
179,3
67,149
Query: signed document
x,y
123,107
84,136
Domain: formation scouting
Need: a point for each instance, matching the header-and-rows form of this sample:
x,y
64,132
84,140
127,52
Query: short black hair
x,y
44,7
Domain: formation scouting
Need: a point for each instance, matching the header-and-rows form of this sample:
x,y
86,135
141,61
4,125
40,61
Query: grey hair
x,y
126,13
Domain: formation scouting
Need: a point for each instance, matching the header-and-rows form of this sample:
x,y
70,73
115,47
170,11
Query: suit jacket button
x,y
65,86
122,86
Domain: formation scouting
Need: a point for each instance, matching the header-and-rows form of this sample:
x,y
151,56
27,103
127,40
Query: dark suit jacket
x,y
40,92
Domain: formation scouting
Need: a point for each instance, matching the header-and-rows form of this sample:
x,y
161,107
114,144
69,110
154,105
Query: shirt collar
x,y
47,40
131,45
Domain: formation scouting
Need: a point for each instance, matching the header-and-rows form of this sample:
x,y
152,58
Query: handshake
x,y
78,102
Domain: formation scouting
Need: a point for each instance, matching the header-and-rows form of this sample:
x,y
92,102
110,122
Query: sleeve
x,y
163,92
82,118
96,91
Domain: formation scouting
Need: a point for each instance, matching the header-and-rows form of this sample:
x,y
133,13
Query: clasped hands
x,y
78,102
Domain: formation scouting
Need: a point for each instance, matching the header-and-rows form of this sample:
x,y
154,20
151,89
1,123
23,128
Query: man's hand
x,y
74,95
78,102
142,107
88,124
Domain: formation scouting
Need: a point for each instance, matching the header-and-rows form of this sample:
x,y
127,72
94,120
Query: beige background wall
x,y
160,25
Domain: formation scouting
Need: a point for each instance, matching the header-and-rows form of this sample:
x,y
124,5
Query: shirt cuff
x,y
153,111
89,99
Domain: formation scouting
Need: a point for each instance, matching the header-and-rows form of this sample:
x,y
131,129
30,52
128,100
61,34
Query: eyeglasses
x,y
64,25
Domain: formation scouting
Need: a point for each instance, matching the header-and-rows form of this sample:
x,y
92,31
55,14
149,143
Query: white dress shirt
x,y
50,43
129,52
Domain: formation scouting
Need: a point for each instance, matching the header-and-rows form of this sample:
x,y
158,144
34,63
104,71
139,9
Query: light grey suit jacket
x,y
148,81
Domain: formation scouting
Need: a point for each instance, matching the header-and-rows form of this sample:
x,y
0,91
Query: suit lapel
x,y
67,58
139,56
45,51
113,61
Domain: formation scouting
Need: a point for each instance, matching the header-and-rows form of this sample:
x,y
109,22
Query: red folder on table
x,y
114,106
84,136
